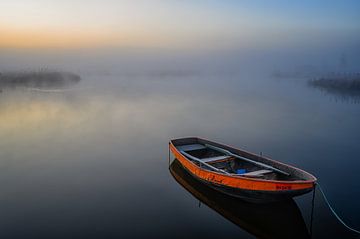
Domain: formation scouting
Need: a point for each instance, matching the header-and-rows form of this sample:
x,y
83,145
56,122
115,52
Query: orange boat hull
x,y
244,186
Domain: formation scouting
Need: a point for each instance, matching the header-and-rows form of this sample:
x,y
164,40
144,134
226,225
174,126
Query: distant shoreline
x,y
38,79
342,85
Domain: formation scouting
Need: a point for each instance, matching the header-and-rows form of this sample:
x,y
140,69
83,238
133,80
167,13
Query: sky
x,y
175,23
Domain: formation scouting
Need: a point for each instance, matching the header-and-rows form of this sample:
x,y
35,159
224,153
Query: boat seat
x,y
206,160
257,173
212,159
190,147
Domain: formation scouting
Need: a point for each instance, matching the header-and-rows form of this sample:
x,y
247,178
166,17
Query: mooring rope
x,y
333,211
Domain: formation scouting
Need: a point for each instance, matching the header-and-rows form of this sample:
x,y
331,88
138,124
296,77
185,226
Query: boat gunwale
x,y
312,180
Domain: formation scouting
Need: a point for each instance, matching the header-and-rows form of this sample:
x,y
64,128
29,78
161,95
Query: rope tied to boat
x,y
333,211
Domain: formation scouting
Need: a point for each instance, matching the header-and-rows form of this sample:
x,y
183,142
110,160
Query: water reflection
x,y
275,220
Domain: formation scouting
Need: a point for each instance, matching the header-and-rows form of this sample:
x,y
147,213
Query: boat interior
x,y
216,159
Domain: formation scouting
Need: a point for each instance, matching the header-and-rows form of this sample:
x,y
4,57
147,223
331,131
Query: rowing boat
x,y
239,173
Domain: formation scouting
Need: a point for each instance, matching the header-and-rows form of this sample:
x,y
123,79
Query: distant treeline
x,y
38,79
340,84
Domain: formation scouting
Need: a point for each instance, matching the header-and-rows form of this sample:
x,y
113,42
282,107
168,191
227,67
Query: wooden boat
x,y
267,221
240,173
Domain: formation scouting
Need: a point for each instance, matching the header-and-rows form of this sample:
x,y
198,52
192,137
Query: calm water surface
x,y
92,162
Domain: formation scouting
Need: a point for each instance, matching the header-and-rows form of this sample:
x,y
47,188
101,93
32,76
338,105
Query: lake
x,y
92,161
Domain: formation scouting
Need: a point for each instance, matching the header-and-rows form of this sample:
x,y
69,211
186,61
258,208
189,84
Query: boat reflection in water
x,y
272,220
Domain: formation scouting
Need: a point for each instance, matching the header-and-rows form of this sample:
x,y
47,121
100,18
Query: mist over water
x,y
92,161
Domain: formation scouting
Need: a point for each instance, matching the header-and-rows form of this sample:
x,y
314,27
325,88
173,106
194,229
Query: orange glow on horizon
x,y
16,38
43,38
76,38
